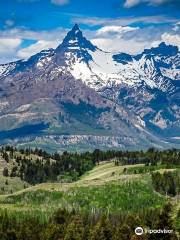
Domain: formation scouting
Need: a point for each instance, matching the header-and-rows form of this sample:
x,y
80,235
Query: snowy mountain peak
x,y
75,40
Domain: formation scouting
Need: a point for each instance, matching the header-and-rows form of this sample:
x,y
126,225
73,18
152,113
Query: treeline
x,y
167,183
152,155
66,167
64,225
37,166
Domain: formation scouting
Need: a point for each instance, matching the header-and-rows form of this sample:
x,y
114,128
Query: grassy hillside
x,y
105,188
115,188
9,185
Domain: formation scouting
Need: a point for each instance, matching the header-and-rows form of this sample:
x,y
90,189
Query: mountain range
x,y
79,97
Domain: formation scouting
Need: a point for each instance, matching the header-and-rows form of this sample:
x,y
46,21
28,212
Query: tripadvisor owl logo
x,y
139,231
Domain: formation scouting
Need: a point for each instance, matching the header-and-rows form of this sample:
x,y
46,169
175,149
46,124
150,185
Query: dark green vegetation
x,y
167,183
98,195
37,166
75,226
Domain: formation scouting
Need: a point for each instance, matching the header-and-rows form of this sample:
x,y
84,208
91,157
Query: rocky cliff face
x,y
82,92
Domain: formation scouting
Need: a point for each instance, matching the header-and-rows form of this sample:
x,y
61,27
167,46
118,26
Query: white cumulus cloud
x,y
131,46
11,39
115,30
173,39
8,49
9,45
35,48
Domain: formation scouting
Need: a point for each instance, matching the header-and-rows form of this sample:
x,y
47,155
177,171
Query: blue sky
x,y
28,26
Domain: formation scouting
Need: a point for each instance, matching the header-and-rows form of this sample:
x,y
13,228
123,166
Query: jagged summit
x,y
74,34
162,49
75,40
75,28
74,48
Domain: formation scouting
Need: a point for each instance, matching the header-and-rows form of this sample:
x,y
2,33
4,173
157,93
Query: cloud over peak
x,y
115,30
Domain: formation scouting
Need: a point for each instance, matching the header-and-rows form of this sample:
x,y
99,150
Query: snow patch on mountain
x,y
6,68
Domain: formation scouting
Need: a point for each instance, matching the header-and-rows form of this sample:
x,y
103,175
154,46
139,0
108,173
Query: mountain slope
x,y
79,96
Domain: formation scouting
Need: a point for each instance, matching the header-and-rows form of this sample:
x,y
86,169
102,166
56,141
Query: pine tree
x,y
123,232
53,232
75,230
165,222
5,172
102,230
